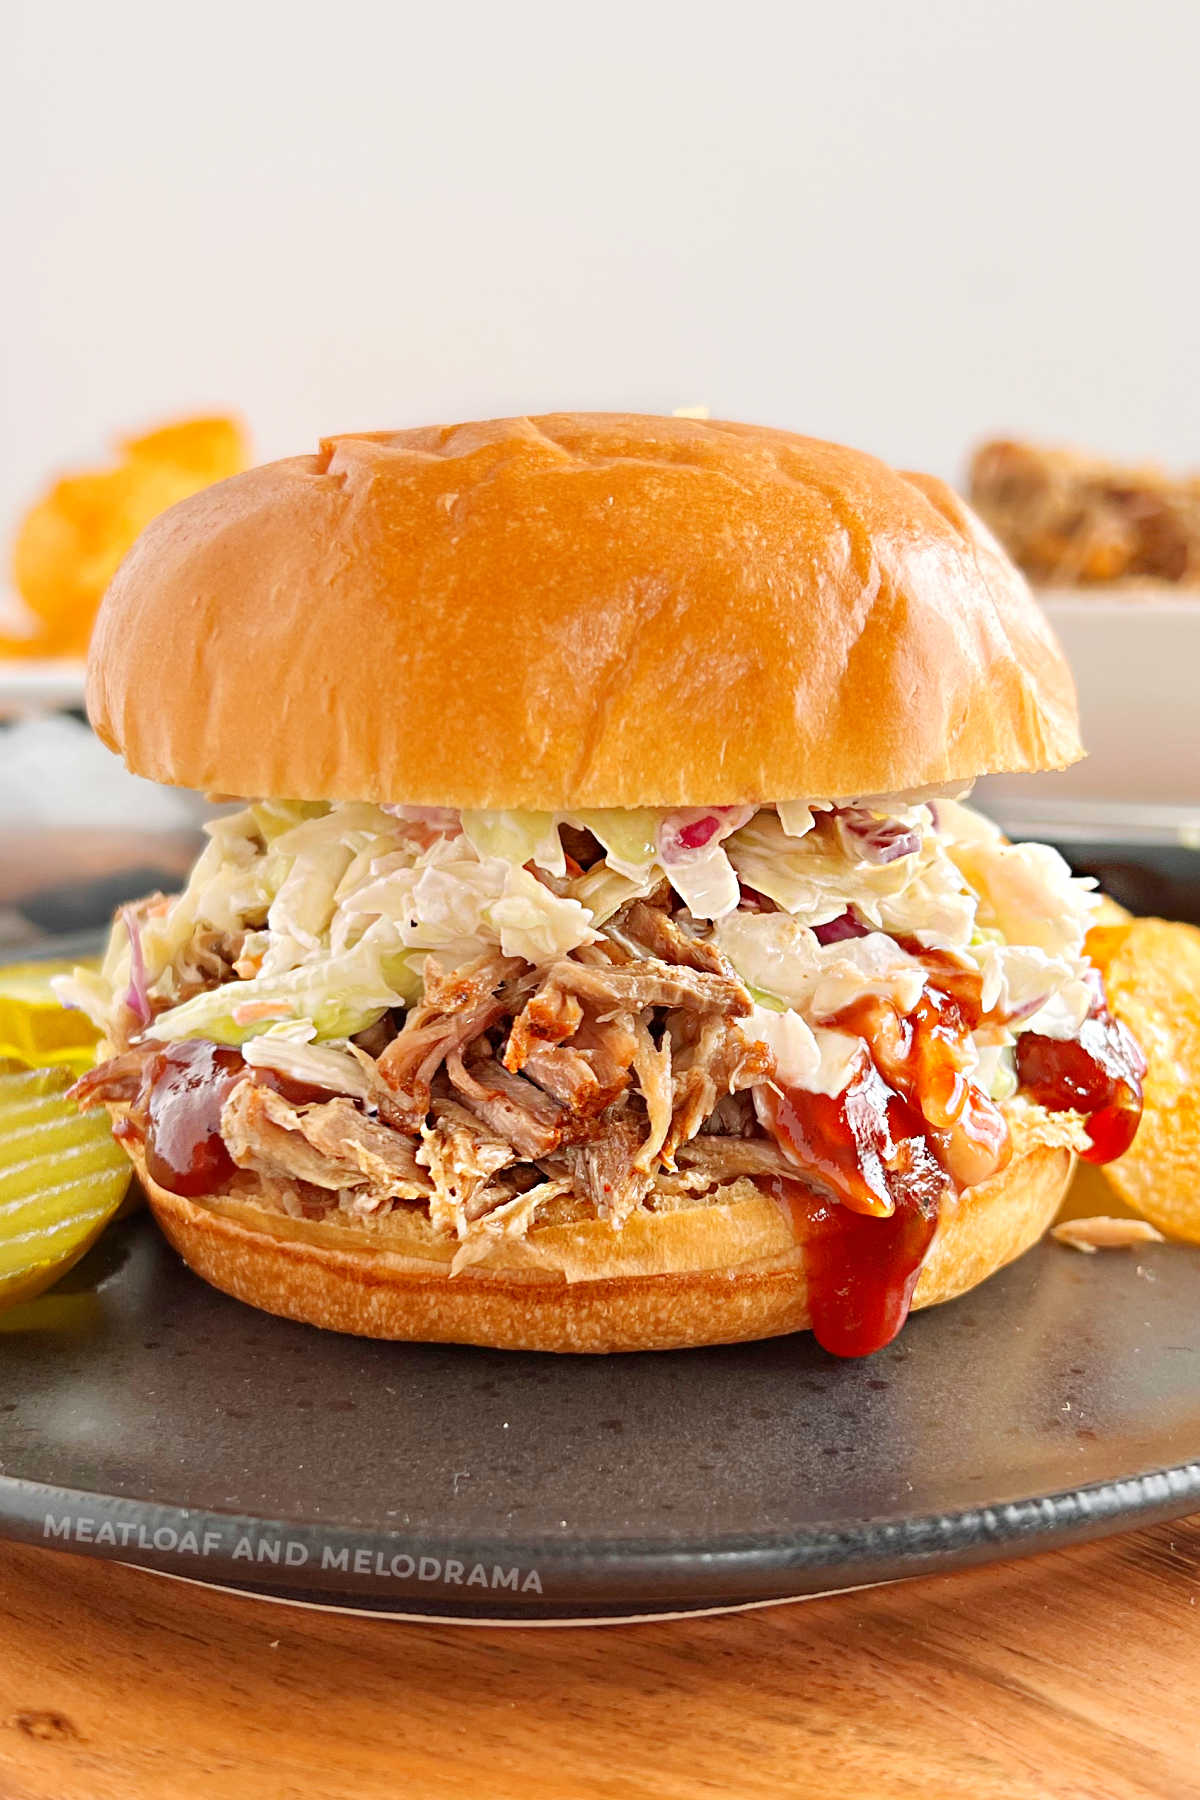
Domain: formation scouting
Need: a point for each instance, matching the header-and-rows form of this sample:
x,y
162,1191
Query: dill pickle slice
x,y
35,1026
62,1178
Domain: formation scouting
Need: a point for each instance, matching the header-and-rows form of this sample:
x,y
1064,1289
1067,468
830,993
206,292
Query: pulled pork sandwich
x,y
610,962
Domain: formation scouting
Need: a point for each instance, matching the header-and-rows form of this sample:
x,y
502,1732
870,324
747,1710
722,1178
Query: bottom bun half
x,y
725,1271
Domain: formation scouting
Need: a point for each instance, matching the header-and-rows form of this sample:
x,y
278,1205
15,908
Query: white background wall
x,y
903,225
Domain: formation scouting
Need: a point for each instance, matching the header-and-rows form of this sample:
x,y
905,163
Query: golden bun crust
x,y
718,1273
580,610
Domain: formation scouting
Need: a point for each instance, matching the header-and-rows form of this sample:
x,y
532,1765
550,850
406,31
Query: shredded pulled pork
x,y
645,930
117,1082
209,957
1065,516
463,1158
456,1009
726,1158
719,1060
504,1088
330,1144
607,1171
532,1121
649,983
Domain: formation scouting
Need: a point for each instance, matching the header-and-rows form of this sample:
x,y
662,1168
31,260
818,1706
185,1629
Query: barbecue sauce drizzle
x,y
187,1084
1098,1074
911,1130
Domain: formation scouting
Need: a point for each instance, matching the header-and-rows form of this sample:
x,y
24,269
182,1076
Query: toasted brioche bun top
x,y
581,610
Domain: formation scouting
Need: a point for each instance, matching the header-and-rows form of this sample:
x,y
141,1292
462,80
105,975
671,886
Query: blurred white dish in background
x,y
54,772
1135,653
39,684
33,684
79,833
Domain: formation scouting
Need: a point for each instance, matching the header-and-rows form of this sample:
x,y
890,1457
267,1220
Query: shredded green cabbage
x,y
338,997
630,839
331,910
517,837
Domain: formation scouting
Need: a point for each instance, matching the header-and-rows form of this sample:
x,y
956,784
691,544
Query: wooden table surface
x,y
1073,1674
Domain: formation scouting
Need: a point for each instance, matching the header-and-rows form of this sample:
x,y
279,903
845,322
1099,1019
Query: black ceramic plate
x,y
147,1418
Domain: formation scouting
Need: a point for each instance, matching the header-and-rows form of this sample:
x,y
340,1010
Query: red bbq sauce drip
x,y
1098,1074
863,1250
189,1083
860,1271
911,1128
908,1130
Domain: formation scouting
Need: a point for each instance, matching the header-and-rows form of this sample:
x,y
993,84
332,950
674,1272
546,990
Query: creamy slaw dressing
x,y
338,906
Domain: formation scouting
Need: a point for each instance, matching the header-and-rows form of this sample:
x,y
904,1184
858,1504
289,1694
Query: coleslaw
x,y
328,912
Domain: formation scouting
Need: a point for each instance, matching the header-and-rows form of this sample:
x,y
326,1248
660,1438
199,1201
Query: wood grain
x,y
1074,1676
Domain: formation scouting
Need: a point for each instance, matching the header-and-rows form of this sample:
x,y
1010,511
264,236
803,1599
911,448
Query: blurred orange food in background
x,y
71,540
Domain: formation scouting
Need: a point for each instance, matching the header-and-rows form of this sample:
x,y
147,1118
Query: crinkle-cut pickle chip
x,y
35,1026
62,1178
1152,973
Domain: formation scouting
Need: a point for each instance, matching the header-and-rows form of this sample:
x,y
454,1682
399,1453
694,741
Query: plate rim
x,y
736,1569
